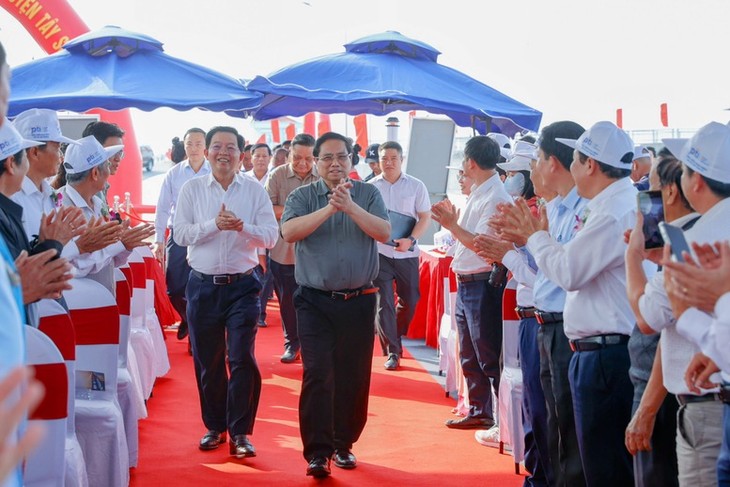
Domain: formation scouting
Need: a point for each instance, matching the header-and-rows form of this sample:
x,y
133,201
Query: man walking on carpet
x,y
335,223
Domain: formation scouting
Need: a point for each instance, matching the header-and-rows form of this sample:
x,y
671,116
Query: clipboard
x,y
401,226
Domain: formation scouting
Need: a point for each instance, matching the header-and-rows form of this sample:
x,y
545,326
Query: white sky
x,y
570,59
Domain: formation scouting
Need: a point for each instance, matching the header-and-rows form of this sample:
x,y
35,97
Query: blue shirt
x,y
12,317
565,220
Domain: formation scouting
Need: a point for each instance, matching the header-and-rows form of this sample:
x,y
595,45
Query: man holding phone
x,y
399,259
705,182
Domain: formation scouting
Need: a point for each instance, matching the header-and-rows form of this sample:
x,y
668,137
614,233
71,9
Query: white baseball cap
x,y
500,139
707,153
641,152
11,142
40,124
520,157
605,143
86,154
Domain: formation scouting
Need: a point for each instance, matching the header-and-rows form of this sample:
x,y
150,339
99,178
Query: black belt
x,y
684,399
344,294
725,393
479,276
597,342
525,312
221,279
547,317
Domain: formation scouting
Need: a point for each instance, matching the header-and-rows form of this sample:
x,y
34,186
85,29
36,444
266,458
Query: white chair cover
x,y
140,336
128,393
56,324
99,420
162,361
511,430
45,467
448,340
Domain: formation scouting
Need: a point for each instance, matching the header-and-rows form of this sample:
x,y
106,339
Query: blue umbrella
x,y
114,69
383,73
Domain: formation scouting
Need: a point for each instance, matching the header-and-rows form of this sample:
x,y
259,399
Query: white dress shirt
x,y
591,267
518,265
98,265
408,196
480,206
178,175
210,250
710,333
251,174
35,204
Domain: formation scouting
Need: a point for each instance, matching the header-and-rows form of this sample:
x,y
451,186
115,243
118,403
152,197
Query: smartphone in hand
x,y
651,206
675,237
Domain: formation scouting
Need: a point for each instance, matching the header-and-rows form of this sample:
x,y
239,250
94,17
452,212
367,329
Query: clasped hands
x,y
227,220
340,198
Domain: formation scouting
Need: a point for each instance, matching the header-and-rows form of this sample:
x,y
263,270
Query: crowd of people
x,y
621,346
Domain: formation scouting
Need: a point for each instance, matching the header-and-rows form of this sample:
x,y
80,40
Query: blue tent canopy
x,y
388,72
113,69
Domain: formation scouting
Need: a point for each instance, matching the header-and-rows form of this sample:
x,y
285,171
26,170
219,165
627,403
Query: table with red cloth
x,y
433,268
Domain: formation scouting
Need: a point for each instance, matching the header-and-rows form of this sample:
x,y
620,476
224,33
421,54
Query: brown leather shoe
x,y
319,467
470,423
344,459
212,440
241,447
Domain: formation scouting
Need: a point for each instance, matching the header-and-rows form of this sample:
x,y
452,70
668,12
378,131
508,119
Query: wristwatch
x,y
413,240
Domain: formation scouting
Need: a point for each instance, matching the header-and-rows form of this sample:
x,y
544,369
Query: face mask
x,y
515,184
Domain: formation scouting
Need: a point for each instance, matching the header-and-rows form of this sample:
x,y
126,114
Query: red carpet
x,y
404,442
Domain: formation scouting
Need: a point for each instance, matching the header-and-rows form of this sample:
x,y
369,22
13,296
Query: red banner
x,y
361,131
324,125
291,131
309,121
275,132
620,118
262,139
664,114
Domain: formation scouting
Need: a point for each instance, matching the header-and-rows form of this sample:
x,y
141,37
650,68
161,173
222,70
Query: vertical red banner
x,y
324,124
309,123
275,132
664,114
620,118
291,131
262,139
361,130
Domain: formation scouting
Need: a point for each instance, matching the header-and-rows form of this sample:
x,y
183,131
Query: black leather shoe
x,y
345,459
392,362
470,423
241,447
212,440
182,330
262,324
290,356
319,467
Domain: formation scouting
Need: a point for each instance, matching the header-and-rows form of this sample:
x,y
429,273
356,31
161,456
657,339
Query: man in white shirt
x,y
704,181
597,316
408,196
87,171
478,302
222,219
176,264
260,158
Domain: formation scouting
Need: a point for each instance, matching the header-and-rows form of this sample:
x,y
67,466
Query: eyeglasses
x,y
230,149
329,158
118,155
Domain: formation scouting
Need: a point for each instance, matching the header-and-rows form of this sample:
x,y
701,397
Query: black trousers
x,y
555,357
336,337
602,397
220,318
284,285
176,276
393,319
